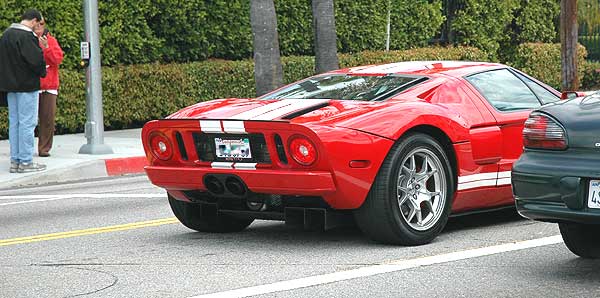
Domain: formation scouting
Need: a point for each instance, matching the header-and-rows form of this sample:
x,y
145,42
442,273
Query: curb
x,y
86,170
127,165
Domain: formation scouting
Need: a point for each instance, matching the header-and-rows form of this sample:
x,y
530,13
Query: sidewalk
x,y
66,164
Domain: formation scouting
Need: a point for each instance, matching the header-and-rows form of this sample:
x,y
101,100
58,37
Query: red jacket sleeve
x,y
53,54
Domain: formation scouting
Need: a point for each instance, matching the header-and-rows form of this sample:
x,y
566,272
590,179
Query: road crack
x,y
114,278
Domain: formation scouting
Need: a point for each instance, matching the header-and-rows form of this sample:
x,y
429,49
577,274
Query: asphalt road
x,y
118,238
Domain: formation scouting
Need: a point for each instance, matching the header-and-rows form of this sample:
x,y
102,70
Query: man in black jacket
x,y
21,66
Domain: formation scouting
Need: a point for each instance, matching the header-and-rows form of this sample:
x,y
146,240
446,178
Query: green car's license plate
x,y
594,194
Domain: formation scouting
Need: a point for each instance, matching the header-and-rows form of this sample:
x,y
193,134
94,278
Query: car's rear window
x,y
347,87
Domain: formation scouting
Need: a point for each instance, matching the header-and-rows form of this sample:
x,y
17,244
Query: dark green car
x,y
557,178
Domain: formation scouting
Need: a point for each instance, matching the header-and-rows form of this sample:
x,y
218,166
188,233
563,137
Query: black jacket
x,y
21,60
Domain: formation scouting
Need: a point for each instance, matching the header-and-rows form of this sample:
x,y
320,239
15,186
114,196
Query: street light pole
x,y
94,126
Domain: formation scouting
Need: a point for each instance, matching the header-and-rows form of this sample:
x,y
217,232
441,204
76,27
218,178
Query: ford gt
x,y
395,148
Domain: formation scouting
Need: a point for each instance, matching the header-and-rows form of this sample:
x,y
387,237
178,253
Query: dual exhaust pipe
x,y
225,185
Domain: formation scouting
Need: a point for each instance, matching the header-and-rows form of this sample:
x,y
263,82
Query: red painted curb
x,y
127,165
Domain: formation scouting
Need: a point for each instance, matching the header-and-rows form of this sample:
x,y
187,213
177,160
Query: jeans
x,y
22,119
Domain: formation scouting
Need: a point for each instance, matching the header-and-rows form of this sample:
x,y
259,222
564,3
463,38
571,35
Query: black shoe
x,y
43,154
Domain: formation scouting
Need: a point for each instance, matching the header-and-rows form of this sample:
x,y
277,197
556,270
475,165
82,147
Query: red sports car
x,y
398,147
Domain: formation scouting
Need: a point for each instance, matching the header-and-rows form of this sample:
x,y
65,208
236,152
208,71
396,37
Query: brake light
x,y
302,150
161,146
543,132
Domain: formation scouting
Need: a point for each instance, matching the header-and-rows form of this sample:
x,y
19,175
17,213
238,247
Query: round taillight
x,y
543,132
303,151
161,146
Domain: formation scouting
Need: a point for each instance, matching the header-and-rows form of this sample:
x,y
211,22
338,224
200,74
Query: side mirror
x,y
571,94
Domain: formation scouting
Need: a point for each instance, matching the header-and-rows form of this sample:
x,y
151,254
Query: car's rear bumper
x,y
554,186
307,183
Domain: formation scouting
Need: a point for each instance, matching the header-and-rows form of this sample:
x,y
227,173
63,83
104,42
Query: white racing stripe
x,y
211,126
504,181
264,109
387,267
484,179
221,165
476,184
245,166
297,106
506,174
234,127
477,177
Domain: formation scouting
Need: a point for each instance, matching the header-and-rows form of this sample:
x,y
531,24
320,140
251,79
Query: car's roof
x,y
431,68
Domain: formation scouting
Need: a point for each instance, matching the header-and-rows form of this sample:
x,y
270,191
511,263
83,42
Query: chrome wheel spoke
x,y
425,177
421,189
402,199
430,194
419,216
403,189
411,214
430,206
424,166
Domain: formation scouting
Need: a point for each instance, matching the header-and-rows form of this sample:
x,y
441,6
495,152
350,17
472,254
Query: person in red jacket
x,y
49,85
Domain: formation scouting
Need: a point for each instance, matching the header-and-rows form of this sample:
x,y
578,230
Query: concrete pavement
x,y
65,164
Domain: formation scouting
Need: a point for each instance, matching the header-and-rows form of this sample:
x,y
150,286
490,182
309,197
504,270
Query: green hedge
x,y
485,24
498,27
135,94
543,62
536,21
591,77
135,32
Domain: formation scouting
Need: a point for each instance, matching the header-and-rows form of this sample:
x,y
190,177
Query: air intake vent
x,y
305,111
280,149
181,146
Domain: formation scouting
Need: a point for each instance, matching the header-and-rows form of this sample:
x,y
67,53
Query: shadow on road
x,y
485,219
261,231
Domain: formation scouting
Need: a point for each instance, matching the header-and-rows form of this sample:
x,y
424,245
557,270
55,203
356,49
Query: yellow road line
x,y
76,233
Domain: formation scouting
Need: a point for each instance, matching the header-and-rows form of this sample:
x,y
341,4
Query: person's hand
x,y
43,41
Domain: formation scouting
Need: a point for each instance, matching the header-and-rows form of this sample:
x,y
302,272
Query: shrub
x,y
484,24
181,24
591,76
414,22
542,60
135,94
133,32
535,21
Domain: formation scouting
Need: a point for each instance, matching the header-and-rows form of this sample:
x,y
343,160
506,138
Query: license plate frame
x,y
233,148
593,199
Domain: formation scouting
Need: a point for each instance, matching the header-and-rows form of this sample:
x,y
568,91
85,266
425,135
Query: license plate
x,y
233,148
594,194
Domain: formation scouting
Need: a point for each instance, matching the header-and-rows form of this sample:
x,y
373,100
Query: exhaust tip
x,y
213,185
235,186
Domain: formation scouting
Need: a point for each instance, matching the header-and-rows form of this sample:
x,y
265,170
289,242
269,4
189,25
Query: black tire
x,y
190,215
383,217
581,239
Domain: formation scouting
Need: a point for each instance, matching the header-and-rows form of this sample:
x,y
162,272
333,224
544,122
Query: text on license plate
x,y
233,147
594,194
